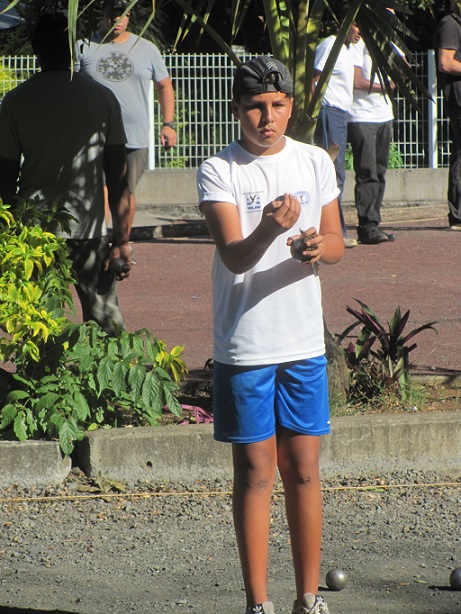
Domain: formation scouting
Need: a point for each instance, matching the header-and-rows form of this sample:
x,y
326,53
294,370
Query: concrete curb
x,y
32,463
357,446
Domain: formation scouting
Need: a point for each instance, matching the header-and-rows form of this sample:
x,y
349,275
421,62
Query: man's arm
x,y
361,83
165,92
119,203
446,62
9,173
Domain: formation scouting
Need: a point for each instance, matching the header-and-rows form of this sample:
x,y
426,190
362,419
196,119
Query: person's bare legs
x,y
298,461
254,474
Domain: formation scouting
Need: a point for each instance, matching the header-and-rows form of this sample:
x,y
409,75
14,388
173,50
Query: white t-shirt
x,y
371,107
339,92
271,314
127,69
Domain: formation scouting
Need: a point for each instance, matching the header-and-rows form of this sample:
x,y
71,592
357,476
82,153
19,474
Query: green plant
x,y
91,380
35,278
69,377
8,81
374,370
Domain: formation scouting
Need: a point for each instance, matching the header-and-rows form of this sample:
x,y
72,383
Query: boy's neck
x,y
255,150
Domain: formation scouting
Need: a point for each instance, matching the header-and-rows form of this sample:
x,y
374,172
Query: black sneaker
x,y
262,608
373,236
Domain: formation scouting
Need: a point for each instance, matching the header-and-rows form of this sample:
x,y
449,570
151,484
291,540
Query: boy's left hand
x,y
308,247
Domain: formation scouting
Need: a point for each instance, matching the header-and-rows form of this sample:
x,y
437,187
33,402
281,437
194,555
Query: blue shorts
x,y
250,403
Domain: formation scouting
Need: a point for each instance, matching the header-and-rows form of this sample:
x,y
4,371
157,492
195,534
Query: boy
x,y
270,387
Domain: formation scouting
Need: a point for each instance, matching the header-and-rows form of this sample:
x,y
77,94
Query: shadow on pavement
x,y
7,610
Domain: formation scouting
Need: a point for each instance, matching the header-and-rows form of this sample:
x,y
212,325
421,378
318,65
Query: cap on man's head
x,y
260,75
116,5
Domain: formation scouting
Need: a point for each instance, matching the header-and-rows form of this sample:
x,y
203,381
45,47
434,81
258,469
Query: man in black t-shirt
x,y
448,48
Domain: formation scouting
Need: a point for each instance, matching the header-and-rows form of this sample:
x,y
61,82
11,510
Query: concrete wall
x,y
403,187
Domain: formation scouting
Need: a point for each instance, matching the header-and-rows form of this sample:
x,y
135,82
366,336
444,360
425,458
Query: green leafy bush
x,y
89,381
386,367
35,278
69,377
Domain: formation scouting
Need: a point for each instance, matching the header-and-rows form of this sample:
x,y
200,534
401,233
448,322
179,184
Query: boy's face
x,y
263,119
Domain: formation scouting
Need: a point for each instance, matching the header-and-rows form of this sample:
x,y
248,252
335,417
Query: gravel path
x,y
163,548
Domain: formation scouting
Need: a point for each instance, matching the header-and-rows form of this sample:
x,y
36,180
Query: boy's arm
x,y
330,229
240,254
326,245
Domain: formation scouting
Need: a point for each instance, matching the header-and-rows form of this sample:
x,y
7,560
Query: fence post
x,y
152,135
433,158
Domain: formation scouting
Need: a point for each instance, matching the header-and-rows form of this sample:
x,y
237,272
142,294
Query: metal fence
x,y
205,123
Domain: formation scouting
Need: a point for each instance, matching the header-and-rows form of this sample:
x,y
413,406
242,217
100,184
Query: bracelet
x,y
169,124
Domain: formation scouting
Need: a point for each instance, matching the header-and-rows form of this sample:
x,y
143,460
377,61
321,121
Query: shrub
x,y
376,369
69,377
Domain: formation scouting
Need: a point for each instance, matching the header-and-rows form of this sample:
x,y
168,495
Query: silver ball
x,y
336,579
455,579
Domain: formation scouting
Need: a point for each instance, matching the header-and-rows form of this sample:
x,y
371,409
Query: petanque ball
x,y
116,266
455,579
298,247
336,579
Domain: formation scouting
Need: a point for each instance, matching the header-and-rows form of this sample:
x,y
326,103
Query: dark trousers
x,y
332,128
370,144
96,289
454,175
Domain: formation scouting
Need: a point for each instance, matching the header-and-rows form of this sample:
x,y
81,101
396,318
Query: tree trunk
x,y
338,373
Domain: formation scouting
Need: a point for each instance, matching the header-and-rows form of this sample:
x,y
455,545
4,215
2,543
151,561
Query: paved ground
x,y
95,556
169,291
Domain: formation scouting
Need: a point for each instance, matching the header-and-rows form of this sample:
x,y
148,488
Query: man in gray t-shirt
x,y
127,64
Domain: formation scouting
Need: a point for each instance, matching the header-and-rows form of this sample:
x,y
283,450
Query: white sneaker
x,y
311,604
267,607
350,242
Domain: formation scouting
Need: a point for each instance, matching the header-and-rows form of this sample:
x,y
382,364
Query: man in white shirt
x,y
370,134
332,121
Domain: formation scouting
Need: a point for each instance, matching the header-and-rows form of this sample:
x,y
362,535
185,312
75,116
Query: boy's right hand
x,y
282,213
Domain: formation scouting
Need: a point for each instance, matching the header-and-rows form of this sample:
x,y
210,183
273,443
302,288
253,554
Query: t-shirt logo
x,y
253,201
115,66
303,197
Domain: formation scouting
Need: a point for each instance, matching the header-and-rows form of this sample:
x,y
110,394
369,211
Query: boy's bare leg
x,y
254,473
298,461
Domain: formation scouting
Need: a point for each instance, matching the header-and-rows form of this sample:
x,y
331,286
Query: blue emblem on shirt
x,y
253,201
303,197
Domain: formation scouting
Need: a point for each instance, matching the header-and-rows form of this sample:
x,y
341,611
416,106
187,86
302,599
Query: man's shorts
x,y
136,163
251,403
